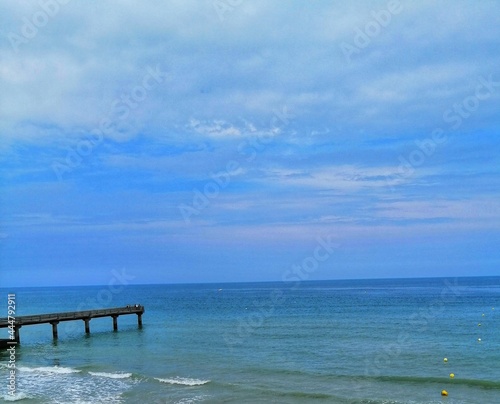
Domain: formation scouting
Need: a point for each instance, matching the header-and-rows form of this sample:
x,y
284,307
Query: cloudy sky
x,y
221,140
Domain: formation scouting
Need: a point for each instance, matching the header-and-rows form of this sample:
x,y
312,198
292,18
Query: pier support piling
x,y
17,338
54,329
115,323
87,325
139,320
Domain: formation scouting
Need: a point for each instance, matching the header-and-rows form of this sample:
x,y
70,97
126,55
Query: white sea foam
x,y
49,369
15,397
192,400
184,381
111,375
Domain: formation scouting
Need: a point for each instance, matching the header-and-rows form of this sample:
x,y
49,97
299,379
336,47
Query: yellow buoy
x,y
452,375
445,360
444,393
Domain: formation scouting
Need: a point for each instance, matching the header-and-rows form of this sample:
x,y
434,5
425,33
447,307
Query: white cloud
x,y
261,56
217,128
476,210
341,177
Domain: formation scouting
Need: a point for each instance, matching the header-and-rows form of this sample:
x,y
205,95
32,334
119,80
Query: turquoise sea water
x,y
365,341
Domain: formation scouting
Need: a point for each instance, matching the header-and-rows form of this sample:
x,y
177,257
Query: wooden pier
x,y
55,318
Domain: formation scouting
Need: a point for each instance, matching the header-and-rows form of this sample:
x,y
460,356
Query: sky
x,y
248,140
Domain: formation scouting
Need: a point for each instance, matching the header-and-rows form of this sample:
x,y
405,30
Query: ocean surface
x,y
364,341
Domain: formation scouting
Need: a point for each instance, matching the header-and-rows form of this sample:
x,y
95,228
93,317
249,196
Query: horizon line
x,y
261,281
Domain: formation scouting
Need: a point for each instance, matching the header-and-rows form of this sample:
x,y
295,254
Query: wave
x,y
304,395
111,375
183,381
49,369
487,384
283,371
15,397
192,400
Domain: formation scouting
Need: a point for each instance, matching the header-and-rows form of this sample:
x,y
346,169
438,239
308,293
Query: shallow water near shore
x,y
364,341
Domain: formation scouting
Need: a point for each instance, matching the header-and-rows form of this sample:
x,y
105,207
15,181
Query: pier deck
x,y
86,316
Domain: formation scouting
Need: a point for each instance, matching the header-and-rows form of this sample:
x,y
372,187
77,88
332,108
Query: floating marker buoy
x,y
444,393
479,325
452,375
479,339
445,360
483,314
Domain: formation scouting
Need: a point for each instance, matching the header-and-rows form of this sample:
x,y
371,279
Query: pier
x,y
55,318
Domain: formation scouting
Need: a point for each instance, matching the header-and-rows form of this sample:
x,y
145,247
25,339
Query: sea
x,y
386,341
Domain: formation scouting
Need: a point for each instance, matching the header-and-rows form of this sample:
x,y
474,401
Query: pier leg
x,y
139,320
115,323
54,329
87,325
16,334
